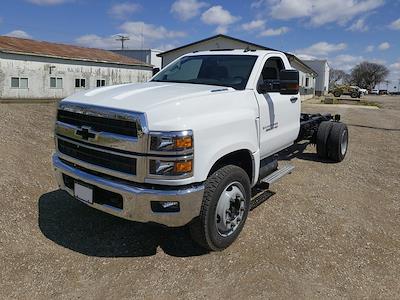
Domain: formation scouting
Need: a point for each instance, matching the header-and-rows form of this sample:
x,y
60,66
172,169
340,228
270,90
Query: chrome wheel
x,y
344,142
230,209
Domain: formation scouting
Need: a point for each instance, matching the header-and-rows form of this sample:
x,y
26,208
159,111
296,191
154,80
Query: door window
x,y
270,73
272,68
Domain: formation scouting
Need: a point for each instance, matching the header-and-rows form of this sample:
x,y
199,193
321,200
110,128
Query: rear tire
x,y
224,210
338,142
354,95
323,132
337,94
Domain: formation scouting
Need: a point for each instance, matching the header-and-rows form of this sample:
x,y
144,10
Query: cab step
x,y
278,174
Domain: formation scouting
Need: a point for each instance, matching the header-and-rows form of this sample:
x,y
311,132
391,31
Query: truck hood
x,y
144,97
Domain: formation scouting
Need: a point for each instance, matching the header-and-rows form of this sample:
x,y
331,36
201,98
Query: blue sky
x,y
345,32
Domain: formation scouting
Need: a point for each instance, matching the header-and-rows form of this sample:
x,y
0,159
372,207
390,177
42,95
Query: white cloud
x,y
318,12
153,37
345,62
253,25
384,46
221,30
187,9
395,25
321,49
149,31
48,2
95,41
217,15
395,66
19,34
359,25
274,32
123,10
370,48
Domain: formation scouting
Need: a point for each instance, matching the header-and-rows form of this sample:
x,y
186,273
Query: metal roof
x,y
45,49
290,56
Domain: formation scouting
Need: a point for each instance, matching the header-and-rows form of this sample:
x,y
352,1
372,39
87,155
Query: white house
x,y
322,81
32,69
148,56
221,41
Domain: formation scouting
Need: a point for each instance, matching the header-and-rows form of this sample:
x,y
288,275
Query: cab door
x,y
279,115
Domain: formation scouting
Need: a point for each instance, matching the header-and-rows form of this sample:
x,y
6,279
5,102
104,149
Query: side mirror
x,y
289,82
155,71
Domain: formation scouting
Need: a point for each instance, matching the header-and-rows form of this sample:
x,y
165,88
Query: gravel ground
x,y
329,230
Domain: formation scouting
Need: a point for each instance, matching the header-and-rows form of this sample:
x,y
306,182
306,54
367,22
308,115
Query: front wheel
x,y
224,210
354,95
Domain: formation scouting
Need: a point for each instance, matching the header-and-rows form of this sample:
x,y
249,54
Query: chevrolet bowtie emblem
x,y
85,133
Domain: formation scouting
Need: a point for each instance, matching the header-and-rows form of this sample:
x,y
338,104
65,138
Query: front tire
x,y
224,210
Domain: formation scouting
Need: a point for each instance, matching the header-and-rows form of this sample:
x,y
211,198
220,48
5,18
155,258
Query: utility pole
x,y
122,39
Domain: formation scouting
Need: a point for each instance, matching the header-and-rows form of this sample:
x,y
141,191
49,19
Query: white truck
x,y
188,147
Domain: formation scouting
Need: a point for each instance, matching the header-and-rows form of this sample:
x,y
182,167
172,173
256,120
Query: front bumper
x,y
137,200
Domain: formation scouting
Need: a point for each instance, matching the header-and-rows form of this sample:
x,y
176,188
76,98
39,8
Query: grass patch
x,y
369,103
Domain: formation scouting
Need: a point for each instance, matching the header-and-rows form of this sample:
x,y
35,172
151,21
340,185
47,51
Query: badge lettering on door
x,y
270,127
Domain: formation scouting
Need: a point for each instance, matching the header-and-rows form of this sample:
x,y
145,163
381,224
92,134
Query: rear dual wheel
x,y
332,141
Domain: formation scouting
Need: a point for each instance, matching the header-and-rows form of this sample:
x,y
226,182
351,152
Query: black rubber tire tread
x,y
337,94
354,95
201,231
334,144
322,137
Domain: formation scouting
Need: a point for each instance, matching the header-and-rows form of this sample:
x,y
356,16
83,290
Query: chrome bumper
x,y
136,200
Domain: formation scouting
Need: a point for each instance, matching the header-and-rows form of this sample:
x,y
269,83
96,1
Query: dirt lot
x,y
330,230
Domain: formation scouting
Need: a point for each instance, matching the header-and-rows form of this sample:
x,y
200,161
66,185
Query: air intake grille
x,y
99,158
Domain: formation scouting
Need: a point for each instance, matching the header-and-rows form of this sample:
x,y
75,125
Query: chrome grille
x,y
100,124
97,157
107,141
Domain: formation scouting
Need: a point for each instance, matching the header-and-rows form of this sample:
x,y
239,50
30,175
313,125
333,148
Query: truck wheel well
x,y
240,158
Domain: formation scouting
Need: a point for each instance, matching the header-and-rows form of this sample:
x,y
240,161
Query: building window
x,y
307,81
56,83
80,83
19,83
100,82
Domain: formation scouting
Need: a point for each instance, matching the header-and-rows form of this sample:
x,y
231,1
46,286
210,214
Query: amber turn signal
x,y
183,167
184,142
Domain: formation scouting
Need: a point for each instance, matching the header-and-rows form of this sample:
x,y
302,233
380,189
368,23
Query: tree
x,y
367,75
337,76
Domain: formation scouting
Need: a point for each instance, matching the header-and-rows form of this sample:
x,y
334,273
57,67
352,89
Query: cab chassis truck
x,y
188,147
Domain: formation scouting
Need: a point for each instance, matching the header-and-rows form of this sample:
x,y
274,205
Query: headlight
x,y
179,142
171,168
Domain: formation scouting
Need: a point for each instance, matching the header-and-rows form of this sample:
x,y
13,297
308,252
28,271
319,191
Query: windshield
x,y
224,70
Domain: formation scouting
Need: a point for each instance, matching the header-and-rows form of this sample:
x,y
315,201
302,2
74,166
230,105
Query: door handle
x,y
294,99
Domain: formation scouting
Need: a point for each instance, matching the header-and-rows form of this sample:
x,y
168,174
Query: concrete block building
x,y
322,81
32,69
221,41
